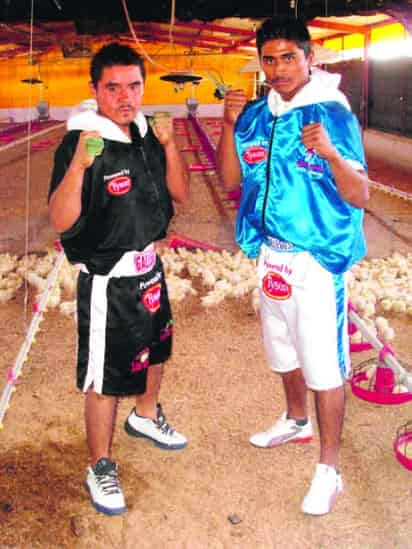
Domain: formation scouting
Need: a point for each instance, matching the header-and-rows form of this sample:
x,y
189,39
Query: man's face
x,y
119,93
285,66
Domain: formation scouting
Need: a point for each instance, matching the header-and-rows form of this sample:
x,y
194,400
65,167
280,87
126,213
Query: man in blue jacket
x,y
299,157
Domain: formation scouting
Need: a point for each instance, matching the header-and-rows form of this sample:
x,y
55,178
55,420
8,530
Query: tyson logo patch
x,y
254,155
275,286
151,298
119,185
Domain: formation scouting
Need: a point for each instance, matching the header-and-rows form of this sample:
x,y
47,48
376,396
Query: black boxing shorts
x,y
124,324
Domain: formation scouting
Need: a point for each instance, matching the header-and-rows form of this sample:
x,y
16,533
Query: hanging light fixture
x,y
31,81
34,78
181,78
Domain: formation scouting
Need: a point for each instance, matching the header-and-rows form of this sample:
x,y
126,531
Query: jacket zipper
x,y
149,173
272,135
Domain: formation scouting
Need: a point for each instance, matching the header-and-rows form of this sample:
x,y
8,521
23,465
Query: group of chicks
x,y
376,285
384,285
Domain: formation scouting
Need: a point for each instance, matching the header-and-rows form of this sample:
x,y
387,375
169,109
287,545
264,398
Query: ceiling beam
x,y
154,33
248,43
334,36
187,42
342,27
384,22
215,28
13,52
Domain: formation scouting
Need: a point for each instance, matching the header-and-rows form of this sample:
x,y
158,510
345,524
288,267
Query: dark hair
x,y
286,28
111,55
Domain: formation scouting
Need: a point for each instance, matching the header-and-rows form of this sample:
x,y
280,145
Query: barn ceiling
x,y
185,10
220,26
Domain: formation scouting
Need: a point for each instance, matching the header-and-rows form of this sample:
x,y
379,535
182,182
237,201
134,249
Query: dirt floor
x,y
217,390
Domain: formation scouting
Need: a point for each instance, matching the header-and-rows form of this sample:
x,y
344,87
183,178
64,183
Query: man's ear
x,y
92,89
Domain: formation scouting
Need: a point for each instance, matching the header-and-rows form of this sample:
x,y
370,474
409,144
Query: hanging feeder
x,y
32,81
402,445
374,382
181,78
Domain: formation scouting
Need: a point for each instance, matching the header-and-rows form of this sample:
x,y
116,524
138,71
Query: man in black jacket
x,y
111,193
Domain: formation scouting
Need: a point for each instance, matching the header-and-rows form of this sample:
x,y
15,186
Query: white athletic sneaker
x,y
325,487
156,430
104,488
284,430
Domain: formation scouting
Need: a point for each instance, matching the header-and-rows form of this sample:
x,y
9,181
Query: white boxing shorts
x,y
304,317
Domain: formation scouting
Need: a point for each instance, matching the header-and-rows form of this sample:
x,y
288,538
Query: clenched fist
x,y
235,100
162,125
84,155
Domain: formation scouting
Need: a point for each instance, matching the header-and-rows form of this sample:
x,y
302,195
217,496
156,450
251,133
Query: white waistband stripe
x,y
132,263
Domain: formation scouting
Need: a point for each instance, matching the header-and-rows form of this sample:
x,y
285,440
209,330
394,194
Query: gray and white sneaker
x,y
156,430
285,430
103,485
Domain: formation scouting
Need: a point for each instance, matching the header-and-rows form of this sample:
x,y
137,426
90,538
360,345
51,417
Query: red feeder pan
x,y
371,395
359,347
400,444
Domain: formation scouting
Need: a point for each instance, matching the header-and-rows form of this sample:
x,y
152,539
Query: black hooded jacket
x,y
126,204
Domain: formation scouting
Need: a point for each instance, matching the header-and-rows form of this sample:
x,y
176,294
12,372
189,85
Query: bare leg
x,y
100,413
295,391
146,403
330,410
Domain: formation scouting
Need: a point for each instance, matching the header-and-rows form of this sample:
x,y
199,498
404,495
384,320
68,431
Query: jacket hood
x,y
84,117
322,87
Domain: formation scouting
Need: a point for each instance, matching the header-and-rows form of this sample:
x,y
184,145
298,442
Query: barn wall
x,y
66,80
394,31
395,150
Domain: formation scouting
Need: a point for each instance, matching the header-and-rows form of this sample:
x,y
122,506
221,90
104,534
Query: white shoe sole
x,y
331,505
162,445
285,439
102,509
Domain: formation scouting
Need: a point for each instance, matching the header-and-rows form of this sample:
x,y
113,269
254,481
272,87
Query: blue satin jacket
x,y
289,193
